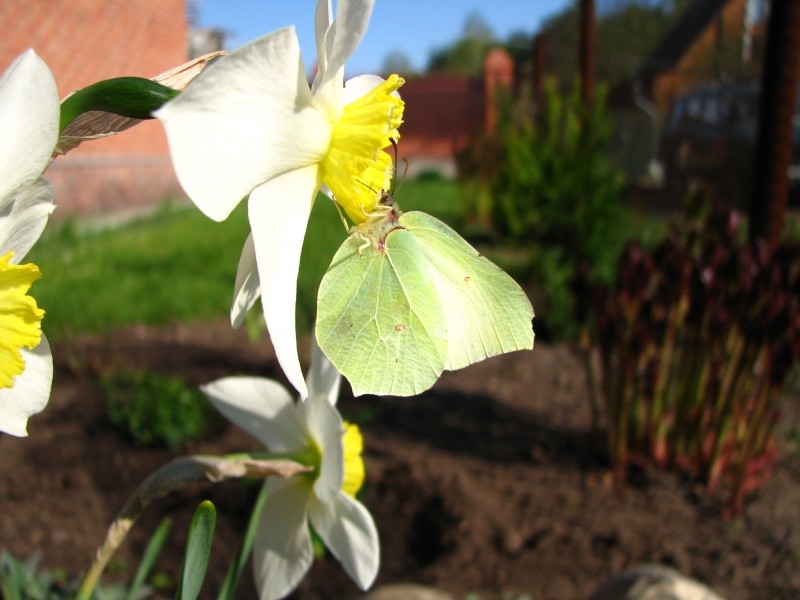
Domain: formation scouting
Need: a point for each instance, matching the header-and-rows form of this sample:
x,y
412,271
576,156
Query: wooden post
x,y
538,70
773,151
587,50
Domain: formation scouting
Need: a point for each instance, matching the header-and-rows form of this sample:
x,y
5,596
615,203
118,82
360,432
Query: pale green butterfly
x,y
405,297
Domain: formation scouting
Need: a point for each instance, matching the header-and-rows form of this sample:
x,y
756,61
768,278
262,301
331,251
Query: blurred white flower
x,y
250,125
311,432
29,118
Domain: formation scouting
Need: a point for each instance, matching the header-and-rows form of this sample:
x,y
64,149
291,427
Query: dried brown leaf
x,y
97,124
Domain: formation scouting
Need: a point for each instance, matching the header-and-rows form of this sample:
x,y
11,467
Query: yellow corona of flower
x,y
353,463
356,166
20,318
313,429
251,126
29,114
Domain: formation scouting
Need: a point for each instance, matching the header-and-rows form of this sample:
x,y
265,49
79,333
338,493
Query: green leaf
x,y
393,313
133,97
233,575
154,547
198,551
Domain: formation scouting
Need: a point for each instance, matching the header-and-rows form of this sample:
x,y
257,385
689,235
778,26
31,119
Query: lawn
x,y
179,265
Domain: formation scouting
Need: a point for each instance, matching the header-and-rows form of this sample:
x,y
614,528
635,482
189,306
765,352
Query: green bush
x,y
547,184
155,409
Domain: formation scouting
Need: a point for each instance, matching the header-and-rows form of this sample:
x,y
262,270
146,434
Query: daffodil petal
x,y
247,288
279,212
359,86
282,552
323,378
349,532
246,119
31,390
352,19
262,407
28,122
322,23
324,425
24,217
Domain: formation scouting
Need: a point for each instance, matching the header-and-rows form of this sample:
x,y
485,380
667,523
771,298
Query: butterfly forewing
x,y
379,317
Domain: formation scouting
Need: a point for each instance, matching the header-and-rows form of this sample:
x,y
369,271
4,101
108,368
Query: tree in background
x,y
626,32
547,186
466,55
397,61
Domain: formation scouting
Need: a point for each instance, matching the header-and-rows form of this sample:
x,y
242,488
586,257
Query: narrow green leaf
x,y
151,553
9,581
235,572
133,97
198,551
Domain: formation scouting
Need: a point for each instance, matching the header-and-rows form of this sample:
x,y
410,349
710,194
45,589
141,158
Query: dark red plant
x,y
695,341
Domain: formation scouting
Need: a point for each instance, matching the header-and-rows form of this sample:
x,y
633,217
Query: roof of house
x,y
694,20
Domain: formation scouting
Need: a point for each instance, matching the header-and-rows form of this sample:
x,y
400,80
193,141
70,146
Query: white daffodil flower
x,y
311,432
250,125
29,116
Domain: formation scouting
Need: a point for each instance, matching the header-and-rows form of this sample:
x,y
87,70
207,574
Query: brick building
x,y
84,41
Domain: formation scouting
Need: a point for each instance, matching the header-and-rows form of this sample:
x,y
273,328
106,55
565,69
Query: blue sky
x,y
414,27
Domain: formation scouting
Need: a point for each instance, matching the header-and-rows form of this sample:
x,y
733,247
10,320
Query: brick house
x,y
84,41
705,44
711,41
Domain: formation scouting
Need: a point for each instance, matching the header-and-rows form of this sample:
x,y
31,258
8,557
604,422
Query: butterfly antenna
x,y
369,187
395,182
394,175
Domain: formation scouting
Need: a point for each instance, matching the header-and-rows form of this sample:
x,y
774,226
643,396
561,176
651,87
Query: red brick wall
x,y
441,114
444,112
84,41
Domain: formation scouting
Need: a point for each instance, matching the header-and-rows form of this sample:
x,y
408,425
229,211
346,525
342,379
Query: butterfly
x,y
405,298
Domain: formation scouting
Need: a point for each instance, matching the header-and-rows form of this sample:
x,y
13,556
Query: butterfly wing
x,y
380,317
486,312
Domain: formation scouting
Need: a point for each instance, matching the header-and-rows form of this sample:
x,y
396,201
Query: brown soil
x,y
491,483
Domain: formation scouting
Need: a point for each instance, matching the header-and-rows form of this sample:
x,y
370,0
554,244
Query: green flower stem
x,y
175,475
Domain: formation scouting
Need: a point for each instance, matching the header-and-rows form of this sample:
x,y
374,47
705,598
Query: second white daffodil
x,y
29,114
313,433
251,126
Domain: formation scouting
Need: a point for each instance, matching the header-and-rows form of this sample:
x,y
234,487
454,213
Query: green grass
x,y
179,265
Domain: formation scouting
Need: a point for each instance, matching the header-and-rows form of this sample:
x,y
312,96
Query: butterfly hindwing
x,y
486,311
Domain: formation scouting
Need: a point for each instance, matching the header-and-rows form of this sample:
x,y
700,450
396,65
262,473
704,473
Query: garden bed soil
x,y
492,482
